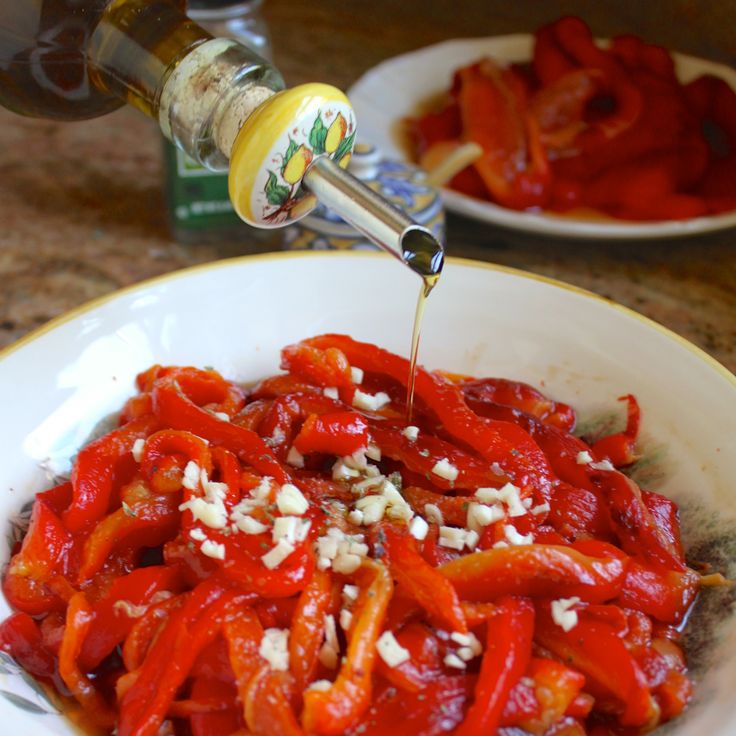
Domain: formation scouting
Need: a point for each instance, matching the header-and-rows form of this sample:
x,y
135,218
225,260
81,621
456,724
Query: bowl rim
x,y
153,281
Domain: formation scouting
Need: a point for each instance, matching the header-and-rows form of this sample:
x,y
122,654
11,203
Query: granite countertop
x,y
82,205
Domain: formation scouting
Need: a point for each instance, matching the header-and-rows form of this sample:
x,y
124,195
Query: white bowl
x,y
56,384
396,88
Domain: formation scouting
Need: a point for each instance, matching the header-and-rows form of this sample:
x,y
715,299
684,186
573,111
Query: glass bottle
x,y
197,198
215,98
76,59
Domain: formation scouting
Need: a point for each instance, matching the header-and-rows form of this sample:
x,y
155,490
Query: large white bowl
x,y
236,315
397,88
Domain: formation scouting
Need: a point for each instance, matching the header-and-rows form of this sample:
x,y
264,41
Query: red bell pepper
x,y
268,711
95,470
166,454
214,723
79,618
501,442
143,706
328,367
41,557
307,628
513,165
333,711
21,638
114,615
434,710
339,433
594,571
427,585
593,648
664,594
620,448
179,399
507,653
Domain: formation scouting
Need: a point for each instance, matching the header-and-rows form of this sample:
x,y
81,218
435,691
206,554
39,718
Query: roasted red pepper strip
x,y
501,442
215,723
42,554
340,433
593,648
633,522
144,705
307,629
666,595
431,711
177,399
243,634
146,520
334,710
507,652
556,687
79,617
268,711
93,475
115,614
620,448
539,570
328,367
427,585
21,638
513,165
166,454
424,664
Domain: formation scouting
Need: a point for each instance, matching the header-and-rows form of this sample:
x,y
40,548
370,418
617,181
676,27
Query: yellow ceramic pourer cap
x,y
277,143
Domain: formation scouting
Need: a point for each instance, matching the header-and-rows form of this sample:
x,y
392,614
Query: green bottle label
x,y
198,198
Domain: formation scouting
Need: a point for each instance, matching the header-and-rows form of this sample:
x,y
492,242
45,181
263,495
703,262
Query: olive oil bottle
x,y
77,59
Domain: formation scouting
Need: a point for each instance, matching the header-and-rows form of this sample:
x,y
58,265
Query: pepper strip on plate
x,y
332,711
496,441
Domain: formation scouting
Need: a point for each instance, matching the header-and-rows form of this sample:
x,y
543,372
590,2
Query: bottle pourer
x,y
291,153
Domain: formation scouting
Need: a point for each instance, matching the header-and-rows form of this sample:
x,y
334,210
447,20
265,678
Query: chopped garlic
x,y
222,416
452,660
514,538
346,618
191,475
390,651
480,515
291,501
433,513
445,469
197,535
373,508
542,508
452,537
331,392
411,433
274,648
330,650
603,465
249,525
583,458
373,452
137,449
211,514
562,613
295,458
356,374
369,402
346,563
276,555
321,686
418,528
213,549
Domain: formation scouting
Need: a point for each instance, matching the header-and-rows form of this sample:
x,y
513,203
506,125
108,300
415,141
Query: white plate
x,y
236,315
393,90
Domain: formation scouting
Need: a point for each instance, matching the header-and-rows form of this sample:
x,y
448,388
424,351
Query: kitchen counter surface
x,y
83,213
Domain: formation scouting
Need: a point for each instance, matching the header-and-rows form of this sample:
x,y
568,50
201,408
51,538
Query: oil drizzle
x,y
428,283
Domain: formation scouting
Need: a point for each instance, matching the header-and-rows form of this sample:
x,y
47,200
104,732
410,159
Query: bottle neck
x,y
199,89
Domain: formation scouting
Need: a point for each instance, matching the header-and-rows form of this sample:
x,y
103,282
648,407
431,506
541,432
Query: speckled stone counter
x,y
82,209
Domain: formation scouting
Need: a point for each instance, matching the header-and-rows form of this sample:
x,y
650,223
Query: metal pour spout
x,y
375,217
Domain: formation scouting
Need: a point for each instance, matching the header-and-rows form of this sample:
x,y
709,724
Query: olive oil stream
x,y
427,261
